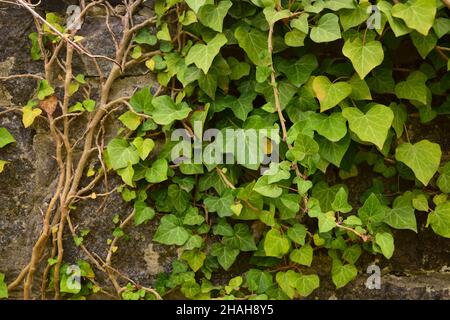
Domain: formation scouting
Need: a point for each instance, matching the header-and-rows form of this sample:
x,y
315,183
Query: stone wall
x,y
420,268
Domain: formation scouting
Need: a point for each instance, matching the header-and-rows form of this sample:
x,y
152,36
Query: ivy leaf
x,y
414,88
386,243
195,259
273,15
297,233
262,186
196,4
372,126
29,114
142,213
5,137
304,146
220,205
306,284
295,38
258,281
44,90
120,153
398,26
353,18
241,239
342,274
423,158
212,16
141,101
336,5
143,146
330,94
400,116
145,37
131,120
327,29
332,127
327,221
287,282
276,244
443,182
340,202
333,151
364,56
171,231
424,44
203,55
225,255
440,219
298,72
401,216
127,174
417,14
165,111
303,256
254,43
372,211
157,172
3,287
301,23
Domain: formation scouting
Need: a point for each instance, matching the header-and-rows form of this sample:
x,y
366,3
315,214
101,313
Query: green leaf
x,y
297,233
241,239
355,17
203,55
127,174
143,146
400,116
29,114
254,43
3,287
330,94
295,38
364,56
304,146
298,71
301,23
423,158
5,137
44,90
327,221
417,14
287,282
443,182
372,211
398,26
131,120
414,88
424,44
440,219
332,127
276,244
258,281
171,231
145,37
212,16
327,29
370,127
352,254
141,101
263,187
165,111
402,216
360,89
386,243
220,205
196,4
195,259
420,202
336,5
333,151
306,284
273,15
225,255
303,256
142,213
340,202
157,172
120,153
342,274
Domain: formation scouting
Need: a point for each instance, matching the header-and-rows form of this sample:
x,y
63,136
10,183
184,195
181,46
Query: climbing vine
x,y
328,76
